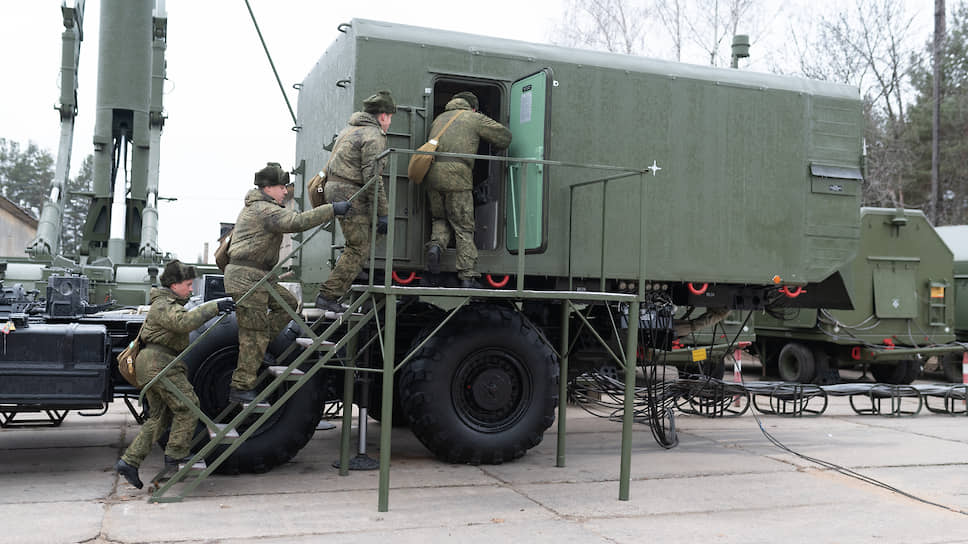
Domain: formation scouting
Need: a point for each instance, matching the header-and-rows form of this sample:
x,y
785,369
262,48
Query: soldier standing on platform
x,y
450,180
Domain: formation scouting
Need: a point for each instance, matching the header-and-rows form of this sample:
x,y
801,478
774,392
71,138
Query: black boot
x,y
129,472
241,396
433,259
470,283
329,305
172,464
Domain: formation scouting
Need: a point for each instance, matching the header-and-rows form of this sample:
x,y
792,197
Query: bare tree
x,y
613,25
713,22
868,44
671,14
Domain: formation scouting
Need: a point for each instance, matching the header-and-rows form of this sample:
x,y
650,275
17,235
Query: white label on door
x,y
525,107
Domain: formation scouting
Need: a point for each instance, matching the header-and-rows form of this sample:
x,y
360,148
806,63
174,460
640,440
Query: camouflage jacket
x,y
462,136
168,322
354,157
262,222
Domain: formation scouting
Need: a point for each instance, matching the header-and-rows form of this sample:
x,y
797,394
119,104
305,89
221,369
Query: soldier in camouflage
x,y
450,180
353,163
165,335
254,251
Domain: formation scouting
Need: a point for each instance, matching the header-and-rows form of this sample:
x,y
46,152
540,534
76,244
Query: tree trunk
x,y
937,53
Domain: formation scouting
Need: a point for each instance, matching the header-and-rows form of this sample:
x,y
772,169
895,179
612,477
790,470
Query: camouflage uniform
x,y
352,165
165,334
256,241
449,181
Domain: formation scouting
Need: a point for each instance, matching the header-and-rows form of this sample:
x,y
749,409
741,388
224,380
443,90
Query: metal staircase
x,y
331,342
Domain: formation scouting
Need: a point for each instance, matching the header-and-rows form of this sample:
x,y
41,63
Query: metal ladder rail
x,y
220,430
258,285
252,408
197,439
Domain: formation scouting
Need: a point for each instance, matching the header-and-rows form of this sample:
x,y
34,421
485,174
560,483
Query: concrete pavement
x,y
723,483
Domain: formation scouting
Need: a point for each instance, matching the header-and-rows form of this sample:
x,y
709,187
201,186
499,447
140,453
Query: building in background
x,y
17,228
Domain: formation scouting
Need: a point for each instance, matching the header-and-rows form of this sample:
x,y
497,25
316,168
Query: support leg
x,y
628,415
563,383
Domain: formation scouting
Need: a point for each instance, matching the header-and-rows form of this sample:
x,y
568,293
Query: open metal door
x,y
529,104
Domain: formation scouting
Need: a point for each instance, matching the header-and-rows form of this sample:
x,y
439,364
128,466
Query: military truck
x,y
626,195
746,191
956,237
904,310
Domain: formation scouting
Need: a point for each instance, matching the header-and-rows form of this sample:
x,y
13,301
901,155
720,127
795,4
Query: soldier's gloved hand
x,y
225,304
381,224
341,207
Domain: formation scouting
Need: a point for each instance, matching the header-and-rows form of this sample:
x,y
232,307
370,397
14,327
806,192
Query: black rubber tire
x,y
210,365
483,389
951,366
796,364
898,373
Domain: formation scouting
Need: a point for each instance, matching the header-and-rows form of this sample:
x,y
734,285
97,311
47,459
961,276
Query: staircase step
x,y
229,436
306,342
197,466
294,375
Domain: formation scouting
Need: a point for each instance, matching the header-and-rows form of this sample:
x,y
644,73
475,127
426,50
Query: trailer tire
x,y
484,389
795,363
210,366
951,366
901,373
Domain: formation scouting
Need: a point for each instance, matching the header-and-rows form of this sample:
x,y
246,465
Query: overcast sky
x,y
226,116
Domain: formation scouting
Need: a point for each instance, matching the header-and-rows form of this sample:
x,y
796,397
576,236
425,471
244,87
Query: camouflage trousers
x,y
453,211
356,235
165,409
261,318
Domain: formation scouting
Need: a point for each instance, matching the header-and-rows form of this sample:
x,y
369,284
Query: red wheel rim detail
x,y
403,281
699,291
498,284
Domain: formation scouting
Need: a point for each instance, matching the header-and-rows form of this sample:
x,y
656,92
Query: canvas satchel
x,y
222,253
419,164
127,358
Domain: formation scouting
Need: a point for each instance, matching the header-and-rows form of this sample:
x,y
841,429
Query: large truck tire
x,y
210,366
899,373
483,389
796,363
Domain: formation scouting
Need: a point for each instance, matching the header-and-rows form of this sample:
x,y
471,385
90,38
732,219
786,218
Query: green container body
x,y
956,238
902,287
758,175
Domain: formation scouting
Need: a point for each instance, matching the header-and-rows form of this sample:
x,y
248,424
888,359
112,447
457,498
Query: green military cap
x,y
469,97
176,272
380,102
272,174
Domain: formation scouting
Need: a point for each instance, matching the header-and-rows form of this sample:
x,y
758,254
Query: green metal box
x,y
755,178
